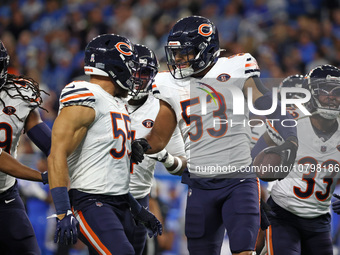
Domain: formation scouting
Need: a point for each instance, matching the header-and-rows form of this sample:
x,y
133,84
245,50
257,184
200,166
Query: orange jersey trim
x,y
76,96
251,64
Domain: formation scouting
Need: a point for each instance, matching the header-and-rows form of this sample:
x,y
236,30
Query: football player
x,y
20,97
143,109
292,81
91,143
217,143
300,203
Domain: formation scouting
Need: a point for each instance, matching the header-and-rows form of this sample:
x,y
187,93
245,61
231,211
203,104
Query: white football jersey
x,y
217,140
142,120
307,190
100,164
11,127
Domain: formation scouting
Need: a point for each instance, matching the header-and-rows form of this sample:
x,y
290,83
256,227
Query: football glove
x,y
287,151
66,231
336,204
152,224
139,147
143,216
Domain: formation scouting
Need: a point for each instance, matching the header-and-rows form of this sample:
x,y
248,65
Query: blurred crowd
x,y
46,41
46,38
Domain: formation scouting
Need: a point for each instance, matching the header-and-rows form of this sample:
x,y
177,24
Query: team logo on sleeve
x,y
223,77
9,110
148,123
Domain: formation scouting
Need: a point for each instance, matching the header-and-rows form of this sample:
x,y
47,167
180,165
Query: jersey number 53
x,y
220,113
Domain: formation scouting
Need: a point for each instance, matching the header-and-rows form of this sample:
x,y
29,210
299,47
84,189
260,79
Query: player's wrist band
x,y
44,177
40,135
170,161
178,168
61,199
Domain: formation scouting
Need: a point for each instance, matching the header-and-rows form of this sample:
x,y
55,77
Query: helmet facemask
x,y
184,61
326,98
4,62
145,76
144,79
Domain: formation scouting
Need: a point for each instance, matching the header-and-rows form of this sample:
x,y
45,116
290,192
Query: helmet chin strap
x,y
140,95
328,114
184,72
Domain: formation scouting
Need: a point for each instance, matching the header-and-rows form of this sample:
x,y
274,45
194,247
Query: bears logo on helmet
x,y
125,52
203,27
104,57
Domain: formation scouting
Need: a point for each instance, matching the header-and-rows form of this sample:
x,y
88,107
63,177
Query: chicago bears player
x,y
292,81
217,200
20,97
143,109
91,143
300,222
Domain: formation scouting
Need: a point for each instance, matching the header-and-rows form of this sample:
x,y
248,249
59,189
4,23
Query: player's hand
x,y
44,177
139,147
336,204
287,151
66,232
153,225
